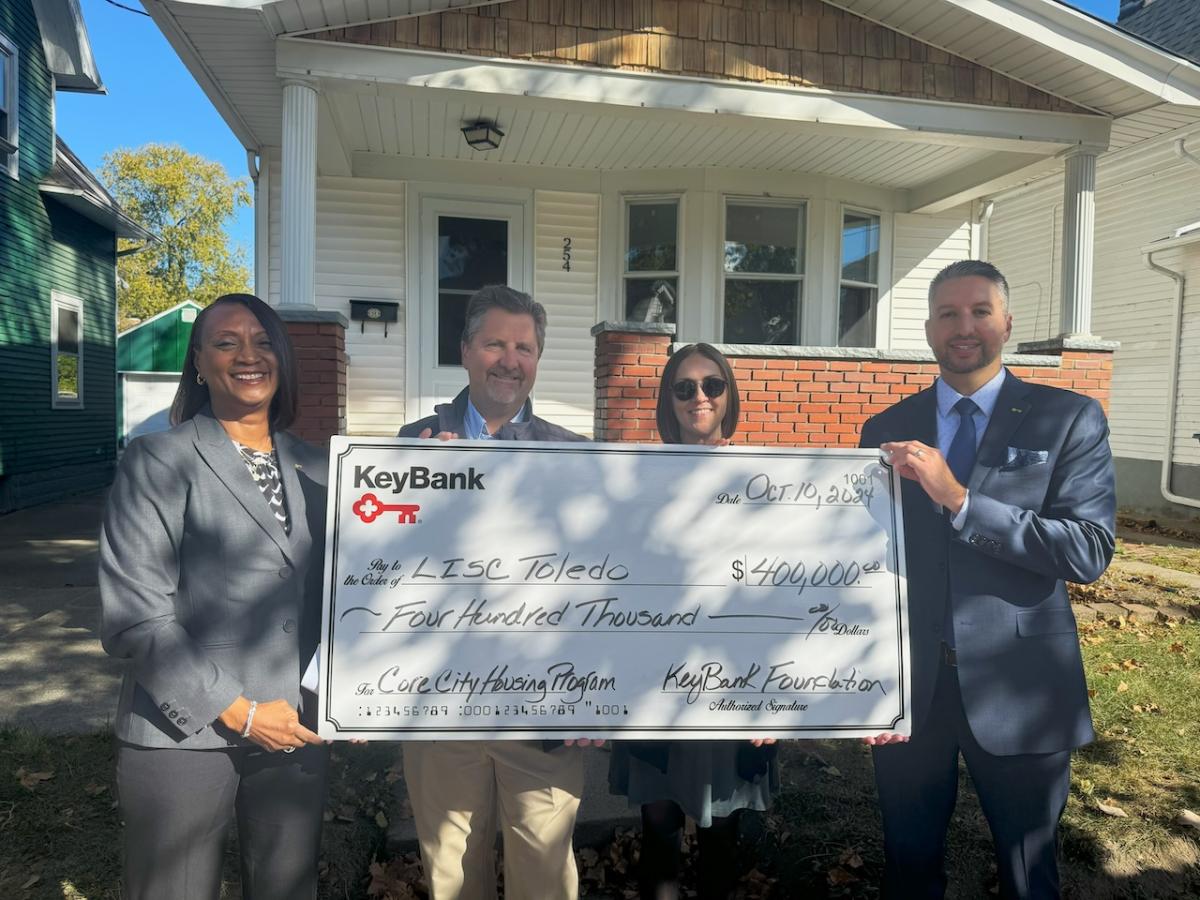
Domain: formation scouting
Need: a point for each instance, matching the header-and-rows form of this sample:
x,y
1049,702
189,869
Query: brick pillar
x,y
629,361
1086,365
320,340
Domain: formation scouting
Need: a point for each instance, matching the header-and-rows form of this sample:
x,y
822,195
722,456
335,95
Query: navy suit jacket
x,y
1042,512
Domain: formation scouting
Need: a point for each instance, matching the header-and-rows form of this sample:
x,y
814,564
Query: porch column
x,y
299,200
1078,239
318,335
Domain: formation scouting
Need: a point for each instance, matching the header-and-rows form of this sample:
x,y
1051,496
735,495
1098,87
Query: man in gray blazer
x,y
1008,493
458,789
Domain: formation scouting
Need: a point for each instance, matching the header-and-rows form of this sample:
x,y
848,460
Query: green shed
x,y
150,359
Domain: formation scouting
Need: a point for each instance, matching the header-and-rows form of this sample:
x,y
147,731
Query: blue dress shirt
x,y
947,422
476,427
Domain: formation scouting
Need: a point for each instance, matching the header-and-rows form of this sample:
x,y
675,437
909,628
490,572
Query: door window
x,y
471,253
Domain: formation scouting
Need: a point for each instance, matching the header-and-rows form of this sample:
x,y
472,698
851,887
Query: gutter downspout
x,y
254,167
1182,152
1164,483
985,220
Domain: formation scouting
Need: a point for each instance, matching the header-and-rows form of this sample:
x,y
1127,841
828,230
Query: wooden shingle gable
x,y
802,43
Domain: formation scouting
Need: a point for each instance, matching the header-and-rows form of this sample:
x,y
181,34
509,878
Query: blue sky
x,y
151,97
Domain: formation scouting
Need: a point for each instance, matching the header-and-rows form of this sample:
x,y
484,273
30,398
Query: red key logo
x,y
368,507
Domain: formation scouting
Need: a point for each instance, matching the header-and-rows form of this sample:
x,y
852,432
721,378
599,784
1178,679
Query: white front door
x,y
464,245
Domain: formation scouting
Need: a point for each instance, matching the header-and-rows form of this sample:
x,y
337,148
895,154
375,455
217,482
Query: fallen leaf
x,y
94,790
850,859
381,820
837,876
33,879
30,780
1122,688
832,771
1187,818
1130,664
1177,647
1109,808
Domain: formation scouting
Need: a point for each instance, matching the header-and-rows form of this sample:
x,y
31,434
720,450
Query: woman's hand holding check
x,y
275,726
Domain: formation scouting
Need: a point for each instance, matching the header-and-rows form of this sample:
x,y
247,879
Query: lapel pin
x,y
1015,409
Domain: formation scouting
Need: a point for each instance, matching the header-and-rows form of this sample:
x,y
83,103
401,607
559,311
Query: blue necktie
x,y
961,455
961,459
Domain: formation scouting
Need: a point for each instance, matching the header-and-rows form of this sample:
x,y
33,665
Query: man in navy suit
x,y
1008,493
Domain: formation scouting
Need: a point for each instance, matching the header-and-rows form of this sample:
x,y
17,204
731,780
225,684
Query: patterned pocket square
x,y
1016,458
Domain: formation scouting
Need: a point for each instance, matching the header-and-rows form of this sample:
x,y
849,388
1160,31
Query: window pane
x,y
68,330
5,64
452,318
653,234
471,253
763,239
650,299
860,248
762,312
68,376
856,317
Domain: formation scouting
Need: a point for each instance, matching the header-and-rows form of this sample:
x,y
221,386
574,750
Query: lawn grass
x,y
1185,558
59,837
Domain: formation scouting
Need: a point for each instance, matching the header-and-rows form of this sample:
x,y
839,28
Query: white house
x,y
756,171
1147,196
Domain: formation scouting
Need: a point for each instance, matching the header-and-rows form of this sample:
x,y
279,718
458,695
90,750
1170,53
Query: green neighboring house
x,y
58,257
150,358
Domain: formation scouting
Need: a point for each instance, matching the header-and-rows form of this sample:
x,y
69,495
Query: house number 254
x,y
566,257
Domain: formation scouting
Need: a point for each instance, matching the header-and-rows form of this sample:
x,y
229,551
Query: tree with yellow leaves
x,y
185,200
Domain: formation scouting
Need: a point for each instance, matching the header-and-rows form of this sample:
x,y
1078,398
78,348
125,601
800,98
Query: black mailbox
x,y
364,311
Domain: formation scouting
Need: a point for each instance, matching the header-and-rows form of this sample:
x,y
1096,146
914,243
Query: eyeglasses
x,y
712,386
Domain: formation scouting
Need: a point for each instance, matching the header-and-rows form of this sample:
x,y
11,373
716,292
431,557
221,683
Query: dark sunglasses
x,y
712,386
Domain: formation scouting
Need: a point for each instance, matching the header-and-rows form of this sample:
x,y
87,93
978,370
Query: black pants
x,y
662,832
1022,799
177,807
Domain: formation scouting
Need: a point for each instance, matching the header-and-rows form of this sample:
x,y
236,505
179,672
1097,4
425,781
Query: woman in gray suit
x,y
210,579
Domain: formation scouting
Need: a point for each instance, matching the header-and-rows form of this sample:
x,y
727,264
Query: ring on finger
x,y
919,454
289,749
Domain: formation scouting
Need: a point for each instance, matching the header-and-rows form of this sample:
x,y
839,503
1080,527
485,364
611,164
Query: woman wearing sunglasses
x,y
710,781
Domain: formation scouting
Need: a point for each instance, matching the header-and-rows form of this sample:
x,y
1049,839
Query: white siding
x,y
1141,196
564,391
922,246
1023,242
360,255
1187,410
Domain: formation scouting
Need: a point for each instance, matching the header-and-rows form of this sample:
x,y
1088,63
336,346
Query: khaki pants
x,y
458,789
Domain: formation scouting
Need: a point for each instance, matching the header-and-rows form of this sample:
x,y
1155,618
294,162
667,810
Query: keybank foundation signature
x,y
771,678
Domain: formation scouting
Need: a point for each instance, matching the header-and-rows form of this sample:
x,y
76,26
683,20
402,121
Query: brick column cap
x,y
1069,342
307,314
633,328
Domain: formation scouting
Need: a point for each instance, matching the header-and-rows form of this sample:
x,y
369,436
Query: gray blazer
x,y
201,589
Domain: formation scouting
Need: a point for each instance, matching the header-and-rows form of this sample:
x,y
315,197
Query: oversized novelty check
x,y
509,590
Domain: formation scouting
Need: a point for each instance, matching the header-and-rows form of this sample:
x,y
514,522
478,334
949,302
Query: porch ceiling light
x,y
482,135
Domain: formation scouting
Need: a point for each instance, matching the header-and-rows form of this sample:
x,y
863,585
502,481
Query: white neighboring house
x,y
1146,282
784,172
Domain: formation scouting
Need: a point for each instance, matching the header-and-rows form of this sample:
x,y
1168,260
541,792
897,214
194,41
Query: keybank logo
x,y
417,478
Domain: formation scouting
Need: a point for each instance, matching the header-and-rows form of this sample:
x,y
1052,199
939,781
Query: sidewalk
x,y
54,676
